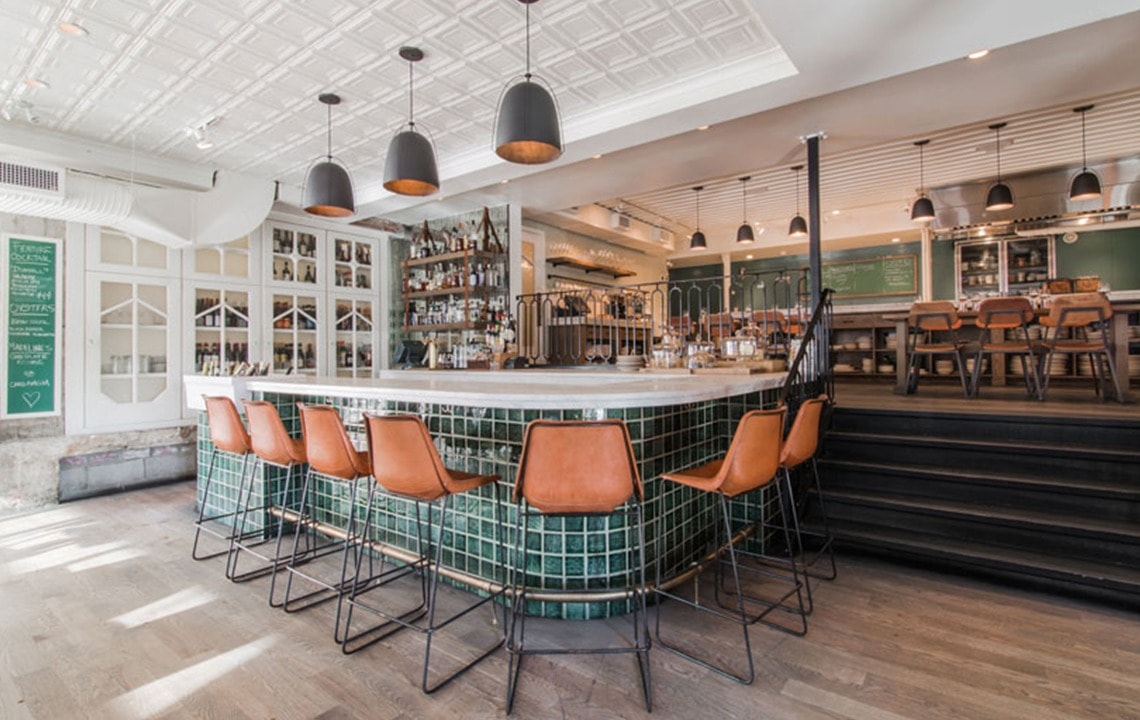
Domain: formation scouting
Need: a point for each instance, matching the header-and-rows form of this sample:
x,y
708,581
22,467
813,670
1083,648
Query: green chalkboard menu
x,y
893,275
31,324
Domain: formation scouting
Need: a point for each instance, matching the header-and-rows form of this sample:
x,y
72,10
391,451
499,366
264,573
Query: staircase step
x,y
1100,432
1116,465
1048,532
1104,580
1082,496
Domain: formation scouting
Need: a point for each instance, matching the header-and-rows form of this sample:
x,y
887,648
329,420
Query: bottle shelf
x,y
439,327
452,256
458,290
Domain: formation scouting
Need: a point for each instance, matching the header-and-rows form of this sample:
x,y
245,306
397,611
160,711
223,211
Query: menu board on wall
x,y
894,275
29,299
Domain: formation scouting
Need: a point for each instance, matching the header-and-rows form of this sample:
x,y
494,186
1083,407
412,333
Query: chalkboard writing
x,y
31,319
895,275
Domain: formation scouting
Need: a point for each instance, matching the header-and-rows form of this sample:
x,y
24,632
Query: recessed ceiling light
x,y
36,83
598,156
783,252
977,54
836,212
504,181
895,240
70,28
1083,221
702,127
747,257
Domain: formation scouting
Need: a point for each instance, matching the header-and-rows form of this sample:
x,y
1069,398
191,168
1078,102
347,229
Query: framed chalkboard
x,y
30,305
892,275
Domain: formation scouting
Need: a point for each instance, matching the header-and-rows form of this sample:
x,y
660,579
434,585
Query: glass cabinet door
x,y
979,269
293,257
354,337
221,329
294,333
1029,263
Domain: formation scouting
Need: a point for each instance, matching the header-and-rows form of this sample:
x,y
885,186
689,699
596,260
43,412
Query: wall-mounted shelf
x,y
590,267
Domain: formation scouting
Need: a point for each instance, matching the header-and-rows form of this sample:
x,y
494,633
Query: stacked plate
x,y
863,342
985,365
1084,366
891,341
1134,366
844,368
1058,365
629,363
943,367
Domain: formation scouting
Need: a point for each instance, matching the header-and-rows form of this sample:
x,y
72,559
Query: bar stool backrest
x,y
754,454
327,444
577,466
226,430
1079,309
1004,313
404,459
803,439
271,441
934,316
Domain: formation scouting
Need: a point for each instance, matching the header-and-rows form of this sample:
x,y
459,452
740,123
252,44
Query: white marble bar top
x,y
518,389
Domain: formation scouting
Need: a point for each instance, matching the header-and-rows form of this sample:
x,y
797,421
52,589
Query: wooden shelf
x,y
590,267
444,326
460,290
445,257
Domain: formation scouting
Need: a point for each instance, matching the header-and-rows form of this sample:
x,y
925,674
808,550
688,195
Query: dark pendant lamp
x,y
410,167
1086,185
528,129
798,226
923,208
698,242
1000,197
744,235
328,188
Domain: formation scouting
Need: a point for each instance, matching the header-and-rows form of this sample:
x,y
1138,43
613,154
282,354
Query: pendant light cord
x,y
797,191
998,130
698,211
329,134
744,193
1084,155
411,96
921,171
528,41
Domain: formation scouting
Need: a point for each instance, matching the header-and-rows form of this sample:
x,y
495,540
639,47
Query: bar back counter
x,y
477,420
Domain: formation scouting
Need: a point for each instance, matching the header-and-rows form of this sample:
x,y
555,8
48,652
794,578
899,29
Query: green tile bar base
x,y
673,424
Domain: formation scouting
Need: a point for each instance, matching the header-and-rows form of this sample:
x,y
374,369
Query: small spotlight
x,y
702,127
836,212
977,54
504,181
598,156
70,28
895,240
747,257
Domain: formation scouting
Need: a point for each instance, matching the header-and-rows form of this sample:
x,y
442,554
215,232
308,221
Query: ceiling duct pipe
x,y
234,206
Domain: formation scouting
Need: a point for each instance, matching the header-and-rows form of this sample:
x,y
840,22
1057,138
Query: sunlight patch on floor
x,y
59,556
160,695
180,601
36,521
115,556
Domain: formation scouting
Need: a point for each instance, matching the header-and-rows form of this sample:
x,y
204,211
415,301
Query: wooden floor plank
x,y
886,641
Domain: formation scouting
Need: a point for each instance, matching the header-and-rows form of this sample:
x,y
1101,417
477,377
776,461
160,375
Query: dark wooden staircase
x,y
1045,502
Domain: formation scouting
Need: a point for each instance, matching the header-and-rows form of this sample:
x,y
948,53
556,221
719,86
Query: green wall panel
x,y
1114,255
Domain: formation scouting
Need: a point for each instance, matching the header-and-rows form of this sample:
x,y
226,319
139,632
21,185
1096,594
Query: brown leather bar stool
x,y
800,448
227,435
1077,314
578,468
407,465
926,319
751,463
330,452
271,445
1005,314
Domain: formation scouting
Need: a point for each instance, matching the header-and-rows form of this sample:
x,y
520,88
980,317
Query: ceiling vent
x,y
620,221
35,181
663,236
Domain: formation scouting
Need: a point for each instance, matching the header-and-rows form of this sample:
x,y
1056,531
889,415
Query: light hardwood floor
x,y
103,615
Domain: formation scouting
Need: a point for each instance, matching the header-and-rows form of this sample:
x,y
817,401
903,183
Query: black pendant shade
x,y
798,226
410,167
1000,197
744,234
698,241
923,208
528,129
1086,185
328,187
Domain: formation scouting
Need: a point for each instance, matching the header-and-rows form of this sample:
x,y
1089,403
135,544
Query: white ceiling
x,y
634,78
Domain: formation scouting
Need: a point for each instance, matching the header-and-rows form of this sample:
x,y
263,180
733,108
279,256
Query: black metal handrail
x,y
809,372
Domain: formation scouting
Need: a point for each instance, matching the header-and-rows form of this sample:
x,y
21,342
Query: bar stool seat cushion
x,y
701,477
407,463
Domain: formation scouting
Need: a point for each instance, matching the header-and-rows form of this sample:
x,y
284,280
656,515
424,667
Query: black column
x,y
815,261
